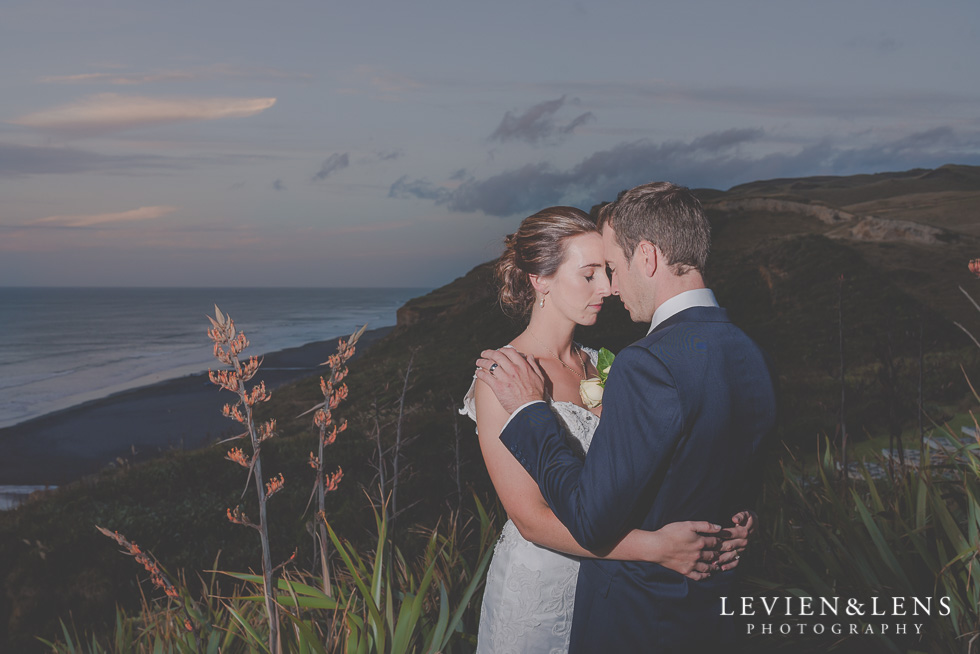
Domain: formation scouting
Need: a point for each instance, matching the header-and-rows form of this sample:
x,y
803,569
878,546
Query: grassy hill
x,y
781,248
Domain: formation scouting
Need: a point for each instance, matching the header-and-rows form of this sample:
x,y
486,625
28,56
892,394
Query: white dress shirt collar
x,y
699,297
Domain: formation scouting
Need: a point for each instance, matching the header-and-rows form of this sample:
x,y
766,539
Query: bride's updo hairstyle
x,y
536,248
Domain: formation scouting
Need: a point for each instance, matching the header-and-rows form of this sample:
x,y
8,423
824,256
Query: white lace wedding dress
x,y
530,590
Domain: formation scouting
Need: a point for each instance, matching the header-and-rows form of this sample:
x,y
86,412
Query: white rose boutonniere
x,y
590,390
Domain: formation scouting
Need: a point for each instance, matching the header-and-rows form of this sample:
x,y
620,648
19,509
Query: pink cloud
x,y
213,71
108,112
88,220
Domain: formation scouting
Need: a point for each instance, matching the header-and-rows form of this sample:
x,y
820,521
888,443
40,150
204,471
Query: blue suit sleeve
x,y
640,426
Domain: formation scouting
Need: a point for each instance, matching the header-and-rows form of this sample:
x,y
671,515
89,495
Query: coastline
x,y
181,413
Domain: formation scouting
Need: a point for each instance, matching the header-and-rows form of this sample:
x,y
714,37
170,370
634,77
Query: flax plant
x,y
334,392
385,603
228,346
914,534
190,629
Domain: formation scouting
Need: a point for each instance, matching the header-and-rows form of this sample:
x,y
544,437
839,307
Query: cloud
x,y
380,83
197,73
419,188
537,124
387,81
782,101
600,175
587,117
333,163
88,220
719,160
109,112
390,155
882,43
279,185
122,79
22,160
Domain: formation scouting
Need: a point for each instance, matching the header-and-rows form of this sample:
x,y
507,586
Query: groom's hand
x,y
737,538
514,379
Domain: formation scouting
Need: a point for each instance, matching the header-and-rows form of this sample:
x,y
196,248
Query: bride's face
x,y
580,284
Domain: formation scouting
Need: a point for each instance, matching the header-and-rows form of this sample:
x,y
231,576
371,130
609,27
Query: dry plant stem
x,y
977,306
843,384
922,429
382,481
227,348
157,576
458,464
970,298
334,392
967,332
268,584
396,458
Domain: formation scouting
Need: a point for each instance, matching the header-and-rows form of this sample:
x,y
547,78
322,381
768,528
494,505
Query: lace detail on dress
x,y
530,591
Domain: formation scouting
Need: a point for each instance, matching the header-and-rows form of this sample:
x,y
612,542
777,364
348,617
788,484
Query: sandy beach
x,y
179,413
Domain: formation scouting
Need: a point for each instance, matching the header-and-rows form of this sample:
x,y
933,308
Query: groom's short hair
x,y
665,214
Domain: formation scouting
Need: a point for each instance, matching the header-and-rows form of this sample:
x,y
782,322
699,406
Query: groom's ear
x,y
647,256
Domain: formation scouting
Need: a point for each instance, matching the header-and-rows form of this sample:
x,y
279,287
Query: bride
x,y
554,269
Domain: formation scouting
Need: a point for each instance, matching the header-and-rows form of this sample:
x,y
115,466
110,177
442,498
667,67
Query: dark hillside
x,y
778,272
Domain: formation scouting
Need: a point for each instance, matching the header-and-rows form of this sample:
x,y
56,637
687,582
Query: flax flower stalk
x,y
334,392
157,575
228,345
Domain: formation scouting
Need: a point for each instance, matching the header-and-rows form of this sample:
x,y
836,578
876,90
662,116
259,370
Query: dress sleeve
x,y
469,403
469,400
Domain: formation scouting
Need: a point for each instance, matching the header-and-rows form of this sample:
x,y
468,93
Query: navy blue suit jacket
x,y
685,413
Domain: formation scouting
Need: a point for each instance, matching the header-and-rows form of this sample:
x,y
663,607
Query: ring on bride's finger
x,y
737,557
493,367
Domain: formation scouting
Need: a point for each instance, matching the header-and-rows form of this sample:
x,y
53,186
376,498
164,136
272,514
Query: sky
x,y
396,143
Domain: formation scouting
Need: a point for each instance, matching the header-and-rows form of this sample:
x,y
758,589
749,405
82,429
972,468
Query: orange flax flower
x,y
258,394
329,439
274,485
239,518
238,345
250,367
322,418
233,412
338,396
227,379
332,480
146,560
221,355
235,454
267,430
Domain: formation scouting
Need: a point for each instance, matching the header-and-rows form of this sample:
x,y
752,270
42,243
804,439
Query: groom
x,y
685,412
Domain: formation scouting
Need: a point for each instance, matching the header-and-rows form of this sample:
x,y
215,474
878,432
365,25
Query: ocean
x,y
60,347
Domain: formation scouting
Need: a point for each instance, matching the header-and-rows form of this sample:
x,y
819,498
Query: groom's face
x,y
624,279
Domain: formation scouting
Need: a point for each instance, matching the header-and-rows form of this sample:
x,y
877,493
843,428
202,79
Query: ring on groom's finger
x,y
493,367
737,557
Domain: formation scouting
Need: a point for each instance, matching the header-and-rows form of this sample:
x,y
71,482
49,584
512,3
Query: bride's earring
x,y
542,302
